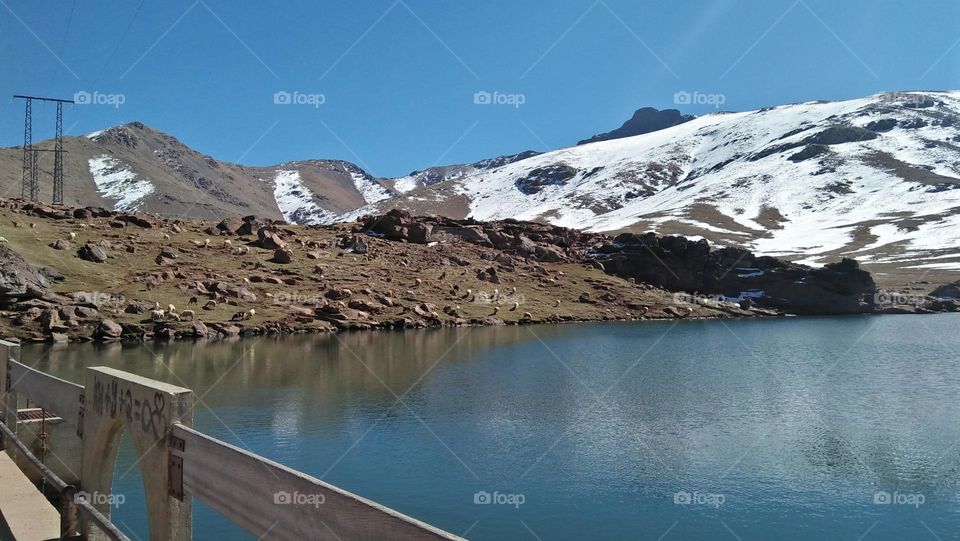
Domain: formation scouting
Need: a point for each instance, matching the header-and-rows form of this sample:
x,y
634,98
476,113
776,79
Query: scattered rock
x,y
92,253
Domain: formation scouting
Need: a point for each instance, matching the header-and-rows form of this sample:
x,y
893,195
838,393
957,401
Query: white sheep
x,y
157,315
556,304
3,240
206,243
515,306
171,308
73,236
227,243
173,316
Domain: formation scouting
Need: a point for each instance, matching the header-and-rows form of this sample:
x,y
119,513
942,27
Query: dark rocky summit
x,y
644,120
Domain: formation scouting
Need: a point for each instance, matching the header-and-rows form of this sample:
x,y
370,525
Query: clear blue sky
x,y
398,77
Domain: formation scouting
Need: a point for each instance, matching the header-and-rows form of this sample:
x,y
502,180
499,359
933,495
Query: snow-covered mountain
x,y
877,178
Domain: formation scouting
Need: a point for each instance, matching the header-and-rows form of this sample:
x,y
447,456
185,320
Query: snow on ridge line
x,y
115,181
295,200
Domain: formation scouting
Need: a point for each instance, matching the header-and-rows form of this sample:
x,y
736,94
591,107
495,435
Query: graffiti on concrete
x,y
116,400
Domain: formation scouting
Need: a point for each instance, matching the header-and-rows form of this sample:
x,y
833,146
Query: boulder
x,y
92,253
269,238
282,256
19,280
108,329
60,244
230,225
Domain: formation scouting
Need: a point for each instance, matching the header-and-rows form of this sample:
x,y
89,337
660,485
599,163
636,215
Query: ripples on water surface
x,y
785,429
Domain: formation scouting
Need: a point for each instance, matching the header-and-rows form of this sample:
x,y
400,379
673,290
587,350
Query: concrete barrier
x,y
274,502
267,499
146,409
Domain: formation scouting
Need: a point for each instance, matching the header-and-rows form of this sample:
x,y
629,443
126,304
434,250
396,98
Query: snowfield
x,y
296,201
115,181
867,177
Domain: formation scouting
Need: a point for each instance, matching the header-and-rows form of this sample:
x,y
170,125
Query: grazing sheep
x,y
187,315
33,225
515,306
418,282
156,305
252,312
173,316
73,236
469,293
171,308
227,243
556,303
242,250
166,236
157,315
206,243
496,310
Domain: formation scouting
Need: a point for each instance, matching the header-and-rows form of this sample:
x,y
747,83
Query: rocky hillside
x,y
136,168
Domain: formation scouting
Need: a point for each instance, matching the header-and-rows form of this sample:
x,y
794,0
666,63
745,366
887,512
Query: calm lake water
x,y
783,429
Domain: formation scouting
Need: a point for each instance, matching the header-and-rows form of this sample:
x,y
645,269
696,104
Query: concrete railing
x,y
267,499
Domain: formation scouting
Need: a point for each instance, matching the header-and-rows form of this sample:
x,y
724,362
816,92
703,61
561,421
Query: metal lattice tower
x,y
58,158
29,190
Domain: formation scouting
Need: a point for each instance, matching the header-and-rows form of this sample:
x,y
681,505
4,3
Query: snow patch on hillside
x,y
295,200
115,181
371,191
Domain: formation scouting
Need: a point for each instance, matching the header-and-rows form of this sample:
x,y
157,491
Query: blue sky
x,y
397,79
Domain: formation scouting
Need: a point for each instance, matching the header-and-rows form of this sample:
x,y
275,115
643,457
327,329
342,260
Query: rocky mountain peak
x,y
644,120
